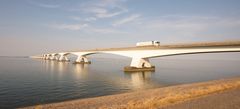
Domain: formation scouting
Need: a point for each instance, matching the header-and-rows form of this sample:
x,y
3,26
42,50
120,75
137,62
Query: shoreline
x,y
151,98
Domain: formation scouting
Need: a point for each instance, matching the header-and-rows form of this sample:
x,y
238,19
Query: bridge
x,y
141,55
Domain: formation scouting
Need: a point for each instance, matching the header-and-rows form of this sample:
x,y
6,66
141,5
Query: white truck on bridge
x,y
148,43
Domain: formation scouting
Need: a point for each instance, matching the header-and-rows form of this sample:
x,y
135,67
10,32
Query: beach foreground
x,y
221,94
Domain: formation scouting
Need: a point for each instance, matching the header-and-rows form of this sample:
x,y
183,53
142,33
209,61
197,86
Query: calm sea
x,y
26,82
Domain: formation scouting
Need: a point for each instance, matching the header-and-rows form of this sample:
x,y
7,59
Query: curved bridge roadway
x,y
141,55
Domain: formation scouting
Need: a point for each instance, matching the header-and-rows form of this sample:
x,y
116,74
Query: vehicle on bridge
x,y
148,43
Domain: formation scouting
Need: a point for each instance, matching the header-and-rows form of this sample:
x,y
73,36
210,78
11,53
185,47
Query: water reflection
x,y
34,82
83,73
59,68
53,67
81,70
139,80
46,67
62,67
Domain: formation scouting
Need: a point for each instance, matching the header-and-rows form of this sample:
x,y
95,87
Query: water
x,y
26,82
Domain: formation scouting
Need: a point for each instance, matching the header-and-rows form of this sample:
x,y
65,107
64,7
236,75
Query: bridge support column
x,y
63,57
47,57
139,64
82,60
54,57
44,56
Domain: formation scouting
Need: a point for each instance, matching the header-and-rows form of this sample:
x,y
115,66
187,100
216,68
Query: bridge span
x,y
141,55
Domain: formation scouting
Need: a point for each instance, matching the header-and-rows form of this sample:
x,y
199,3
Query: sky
x,y
30,27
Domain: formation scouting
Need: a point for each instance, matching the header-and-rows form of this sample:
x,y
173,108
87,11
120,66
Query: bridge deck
x,y
175,46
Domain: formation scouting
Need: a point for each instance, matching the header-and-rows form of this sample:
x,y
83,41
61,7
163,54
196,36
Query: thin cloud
x,y
74,27
188,27
96,10
90,29
126,20
103,8
43,5
88,19
48,5
103,30
109,2
182,22
76,18
107,15
102,12
106,31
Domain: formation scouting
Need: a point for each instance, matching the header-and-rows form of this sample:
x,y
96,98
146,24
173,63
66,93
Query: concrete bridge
x,y
141,55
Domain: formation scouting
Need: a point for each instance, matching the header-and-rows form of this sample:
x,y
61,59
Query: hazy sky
x,y
29,27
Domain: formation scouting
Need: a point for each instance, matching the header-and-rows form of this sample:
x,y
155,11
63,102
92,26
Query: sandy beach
x,y
223,93
228,99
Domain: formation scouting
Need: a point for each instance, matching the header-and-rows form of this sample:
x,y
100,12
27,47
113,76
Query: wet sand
x,y
220,94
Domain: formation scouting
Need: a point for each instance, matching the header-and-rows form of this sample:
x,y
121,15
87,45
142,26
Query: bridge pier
x,y
139,64
54,57
63,58
82,60
47,57
44,56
